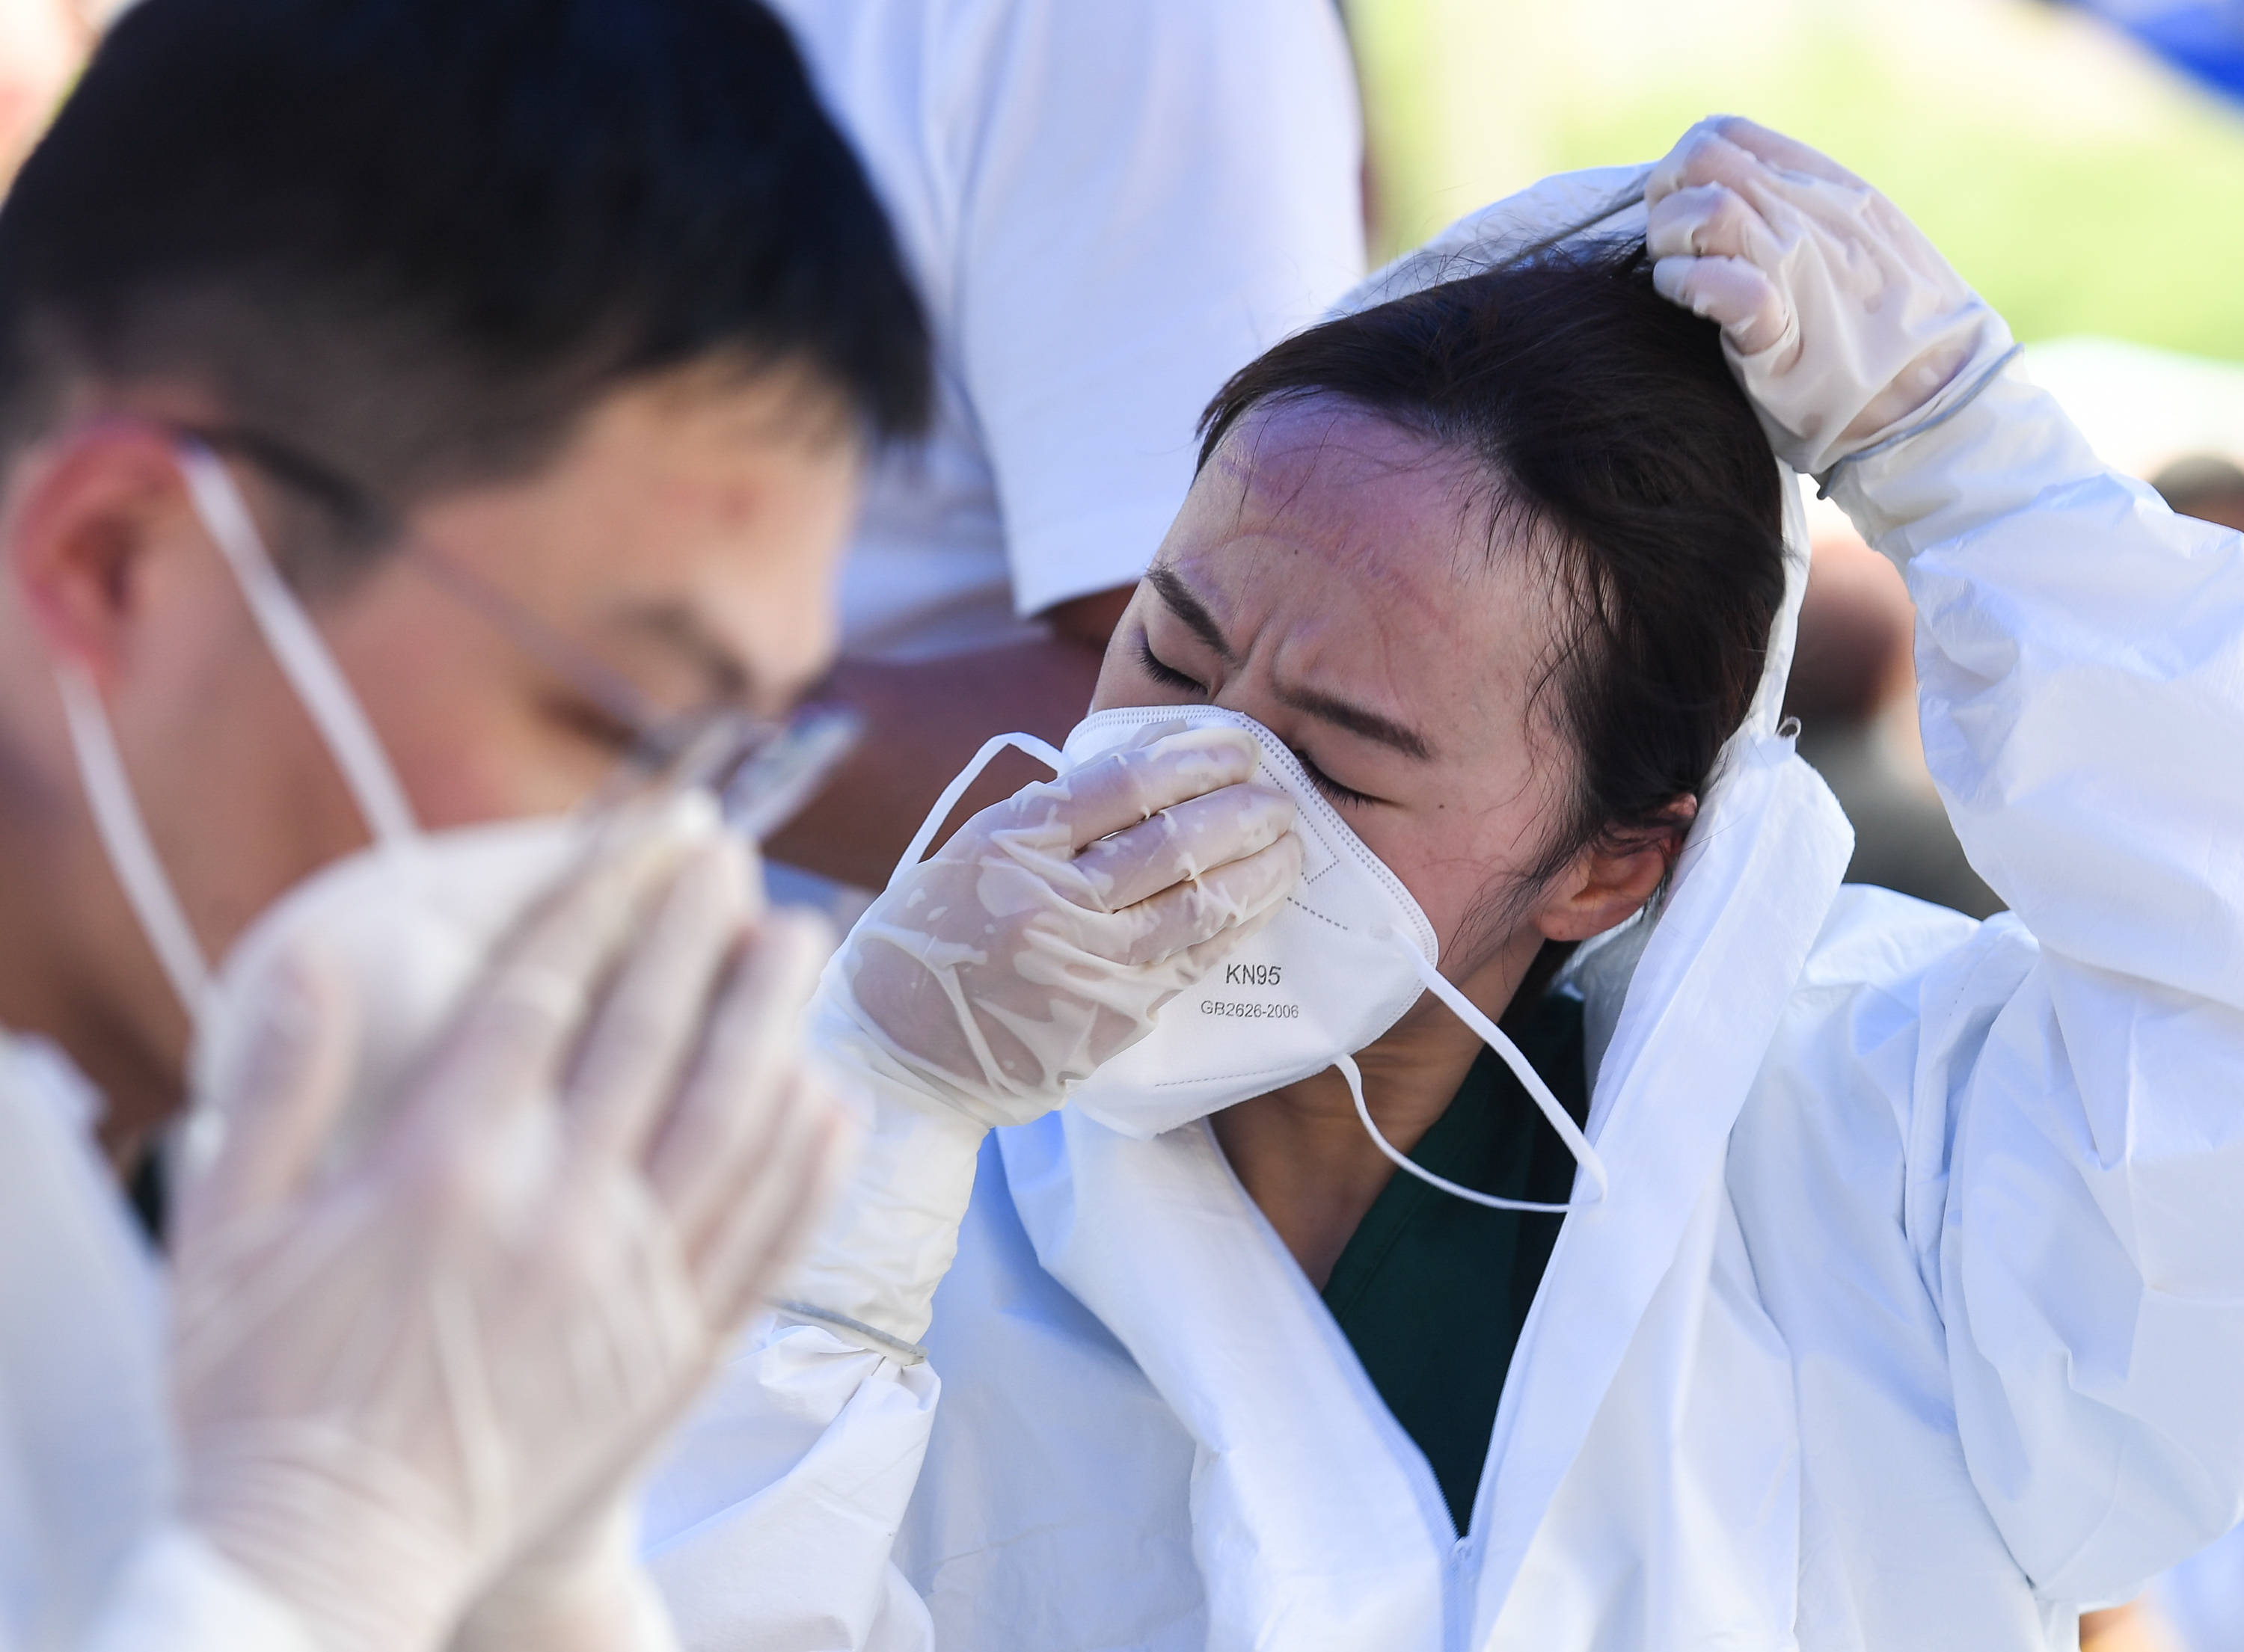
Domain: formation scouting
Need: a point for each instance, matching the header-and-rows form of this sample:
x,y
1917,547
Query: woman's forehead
x,y
1335,493
1324,462
1338,546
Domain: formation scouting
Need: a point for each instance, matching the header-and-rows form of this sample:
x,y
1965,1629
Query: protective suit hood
x,y
1604,201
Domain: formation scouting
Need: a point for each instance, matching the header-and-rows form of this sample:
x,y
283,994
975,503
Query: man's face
x,y
685,541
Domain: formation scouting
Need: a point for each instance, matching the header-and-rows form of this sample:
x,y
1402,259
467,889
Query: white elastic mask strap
x,y
1494,1037
296,644
1045,752
125,836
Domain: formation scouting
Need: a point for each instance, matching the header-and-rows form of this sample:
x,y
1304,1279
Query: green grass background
x,y
2127,225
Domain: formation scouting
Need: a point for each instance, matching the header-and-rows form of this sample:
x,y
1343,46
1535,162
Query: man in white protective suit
x,y
417,421
1777,1264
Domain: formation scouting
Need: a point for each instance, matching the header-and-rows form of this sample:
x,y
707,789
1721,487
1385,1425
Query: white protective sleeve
x,y
178,1593
2076,1142
772,1522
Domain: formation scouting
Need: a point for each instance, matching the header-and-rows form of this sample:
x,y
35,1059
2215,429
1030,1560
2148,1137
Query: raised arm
x,y
2077,1120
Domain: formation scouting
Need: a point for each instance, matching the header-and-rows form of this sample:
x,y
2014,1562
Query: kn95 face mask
x,y
1338,965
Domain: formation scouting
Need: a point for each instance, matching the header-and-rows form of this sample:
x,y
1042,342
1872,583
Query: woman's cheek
x,y
1425,865
1454,865
1115,686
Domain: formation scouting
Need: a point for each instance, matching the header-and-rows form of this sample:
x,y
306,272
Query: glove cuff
x,y
893,1229
1985,344
1990,453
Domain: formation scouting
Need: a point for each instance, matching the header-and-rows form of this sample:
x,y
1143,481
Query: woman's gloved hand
x,y
1036,943
1041,940
398,1377
1840,321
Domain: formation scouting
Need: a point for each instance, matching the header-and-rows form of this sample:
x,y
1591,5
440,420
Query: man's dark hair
x,y
418,238
1608,434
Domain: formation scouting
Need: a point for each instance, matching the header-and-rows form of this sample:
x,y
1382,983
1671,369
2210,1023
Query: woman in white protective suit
x,y
1899,1292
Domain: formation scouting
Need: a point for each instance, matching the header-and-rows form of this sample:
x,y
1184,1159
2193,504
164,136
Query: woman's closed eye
x,y
1164,673
1346,795
1169,677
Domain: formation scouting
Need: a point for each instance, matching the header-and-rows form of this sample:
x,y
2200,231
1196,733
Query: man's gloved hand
x,y
1040,942
1840,321
581,1591
398,1376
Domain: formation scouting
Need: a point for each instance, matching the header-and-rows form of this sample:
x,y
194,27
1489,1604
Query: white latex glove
x,y
1840,321
1040,940
1038,943
393,1376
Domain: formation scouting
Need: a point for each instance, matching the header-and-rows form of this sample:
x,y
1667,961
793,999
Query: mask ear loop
x,y
296,644
1493,1036
311,671
125,835
1045,752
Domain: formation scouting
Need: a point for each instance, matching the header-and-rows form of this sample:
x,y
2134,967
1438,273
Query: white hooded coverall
x,y
88,1559
1914,1319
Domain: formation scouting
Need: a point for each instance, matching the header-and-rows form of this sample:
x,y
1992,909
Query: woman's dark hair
x,y
1612,436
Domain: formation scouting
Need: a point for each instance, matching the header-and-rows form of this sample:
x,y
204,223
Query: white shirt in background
x,y
1109,206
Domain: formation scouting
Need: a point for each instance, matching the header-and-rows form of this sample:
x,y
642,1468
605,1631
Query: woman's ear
x,y
1609,881
87,515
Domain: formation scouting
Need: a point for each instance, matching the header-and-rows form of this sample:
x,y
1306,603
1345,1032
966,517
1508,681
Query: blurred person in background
x,y
1106,209
427,435
1854,689
2206,486
42,45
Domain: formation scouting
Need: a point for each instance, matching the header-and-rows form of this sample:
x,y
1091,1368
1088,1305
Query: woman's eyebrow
x,y
1170,587
1357,721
